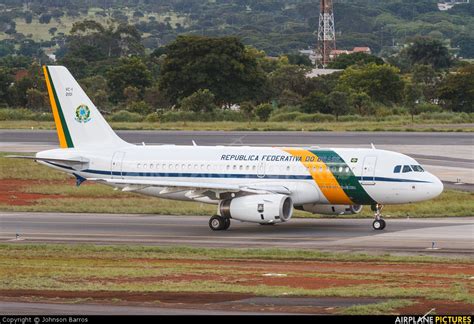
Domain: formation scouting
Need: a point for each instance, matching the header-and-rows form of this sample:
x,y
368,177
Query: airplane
x,y
261,185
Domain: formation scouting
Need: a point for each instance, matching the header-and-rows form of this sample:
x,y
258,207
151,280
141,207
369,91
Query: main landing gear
x,y
219,223
379,223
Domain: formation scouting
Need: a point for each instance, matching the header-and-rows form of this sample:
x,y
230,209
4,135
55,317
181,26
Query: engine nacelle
x,y
258,208
333,209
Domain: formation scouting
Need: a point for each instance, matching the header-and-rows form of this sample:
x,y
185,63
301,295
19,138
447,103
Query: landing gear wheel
x,y
383,223
218,223
378,224
227,224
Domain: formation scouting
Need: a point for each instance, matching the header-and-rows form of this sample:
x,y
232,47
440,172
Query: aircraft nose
x,y
436,187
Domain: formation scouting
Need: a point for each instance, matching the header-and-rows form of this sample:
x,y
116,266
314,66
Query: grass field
x,y
28,186
59,271
40,32
378,126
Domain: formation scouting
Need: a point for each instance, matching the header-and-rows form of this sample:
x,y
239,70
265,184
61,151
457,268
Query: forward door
x,y
368,170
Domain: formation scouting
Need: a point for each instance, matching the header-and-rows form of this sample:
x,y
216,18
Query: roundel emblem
x,y
83,114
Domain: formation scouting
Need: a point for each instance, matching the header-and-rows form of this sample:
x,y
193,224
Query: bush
x,y
382,111
263,111
139,107
428,108
290,116
352,118
125,116
315,118
24,114
220,115
152,118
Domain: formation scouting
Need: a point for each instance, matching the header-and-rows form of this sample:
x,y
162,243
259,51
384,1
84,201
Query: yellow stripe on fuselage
x,y
54,107
322,176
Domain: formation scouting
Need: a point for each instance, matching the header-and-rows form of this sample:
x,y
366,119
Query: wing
x,y
195,190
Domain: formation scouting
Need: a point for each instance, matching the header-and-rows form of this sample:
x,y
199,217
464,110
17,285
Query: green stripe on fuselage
x,y
347,180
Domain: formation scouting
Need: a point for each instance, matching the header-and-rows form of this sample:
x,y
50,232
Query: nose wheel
x,y
219,223
379,222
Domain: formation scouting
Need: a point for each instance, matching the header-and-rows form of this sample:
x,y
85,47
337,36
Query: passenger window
x,y
138,166
406,169
151,166
397,169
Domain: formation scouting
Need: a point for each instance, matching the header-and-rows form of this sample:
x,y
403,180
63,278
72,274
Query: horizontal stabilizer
x,y
77,163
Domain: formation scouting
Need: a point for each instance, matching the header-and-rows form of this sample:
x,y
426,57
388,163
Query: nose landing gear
x,y
379,223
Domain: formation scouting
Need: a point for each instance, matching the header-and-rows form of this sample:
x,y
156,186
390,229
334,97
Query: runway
x,y
443,236
257,138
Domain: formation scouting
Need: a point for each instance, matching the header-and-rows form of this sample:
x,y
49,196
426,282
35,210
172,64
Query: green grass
x,y
399,125
121,268
118,253
382,308
40,32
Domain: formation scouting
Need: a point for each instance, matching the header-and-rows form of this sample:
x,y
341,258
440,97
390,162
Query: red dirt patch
x,y
11,192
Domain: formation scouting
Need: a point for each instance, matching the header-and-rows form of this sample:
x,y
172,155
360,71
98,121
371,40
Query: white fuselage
x,y
342,176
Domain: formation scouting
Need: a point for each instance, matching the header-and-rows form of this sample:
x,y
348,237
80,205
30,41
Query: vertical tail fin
x,y
78,121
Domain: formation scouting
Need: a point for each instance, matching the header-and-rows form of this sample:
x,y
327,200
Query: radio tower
x,y
326,33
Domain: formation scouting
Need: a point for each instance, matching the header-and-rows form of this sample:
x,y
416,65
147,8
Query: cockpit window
x,y
417,168
397,169
406,168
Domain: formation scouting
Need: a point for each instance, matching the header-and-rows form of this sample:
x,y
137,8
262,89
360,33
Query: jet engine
x,y
264,209
332,209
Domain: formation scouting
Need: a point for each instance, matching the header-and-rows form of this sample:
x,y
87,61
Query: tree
x,y
456,91
412,98
316,102
263,111
247,109
289,77
465,42
28,17
91,41
222,65
426,78
381,82
361,102
429,51
202,100
36,100
6,80
45,18
131,94
299,59
339,103
129,72
345,60
156,98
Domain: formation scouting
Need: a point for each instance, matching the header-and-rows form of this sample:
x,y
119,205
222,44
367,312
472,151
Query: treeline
x,y
197,77
275,26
